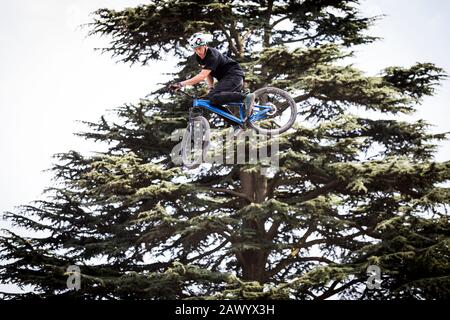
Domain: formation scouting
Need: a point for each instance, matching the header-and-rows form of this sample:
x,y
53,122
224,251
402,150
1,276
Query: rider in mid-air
x,y
228,72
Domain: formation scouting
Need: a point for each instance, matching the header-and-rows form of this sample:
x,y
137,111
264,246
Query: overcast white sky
x,y
50,77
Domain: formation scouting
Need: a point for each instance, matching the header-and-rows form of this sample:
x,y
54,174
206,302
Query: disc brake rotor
x,y
272,107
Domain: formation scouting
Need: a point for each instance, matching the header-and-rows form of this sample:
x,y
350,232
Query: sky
x,y
51,77
412,31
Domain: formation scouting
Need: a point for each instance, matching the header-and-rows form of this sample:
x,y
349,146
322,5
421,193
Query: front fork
x,y
193,112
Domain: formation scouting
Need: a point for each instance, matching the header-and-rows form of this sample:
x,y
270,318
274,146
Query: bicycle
x,y
266,110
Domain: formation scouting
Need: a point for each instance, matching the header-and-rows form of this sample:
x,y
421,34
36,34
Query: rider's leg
x,y
228,90
225,97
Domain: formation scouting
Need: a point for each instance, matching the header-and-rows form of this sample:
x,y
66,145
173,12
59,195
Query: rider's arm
x,y
210,81
198,78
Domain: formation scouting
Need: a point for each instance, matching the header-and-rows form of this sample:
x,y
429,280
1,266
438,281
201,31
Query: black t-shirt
x,y
219,64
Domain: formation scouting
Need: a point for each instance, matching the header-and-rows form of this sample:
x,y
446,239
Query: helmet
x,y
199,39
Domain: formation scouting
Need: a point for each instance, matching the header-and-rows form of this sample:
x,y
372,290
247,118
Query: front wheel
x,y
274,111
195,143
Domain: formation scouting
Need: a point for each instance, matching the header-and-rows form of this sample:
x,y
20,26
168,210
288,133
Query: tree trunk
x,y
254,185
253,262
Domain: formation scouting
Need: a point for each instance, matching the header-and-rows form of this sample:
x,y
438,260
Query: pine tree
x,y
351,191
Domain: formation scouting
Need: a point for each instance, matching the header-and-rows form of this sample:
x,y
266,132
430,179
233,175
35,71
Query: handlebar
x,y
185,93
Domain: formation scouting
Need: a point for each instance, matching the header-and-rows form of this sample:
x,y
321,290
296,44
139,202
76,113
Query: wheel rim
x,y
196,144
282,113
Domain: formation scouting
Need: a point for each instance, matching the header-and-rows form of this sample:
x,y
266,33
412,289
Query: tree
x,y
351,191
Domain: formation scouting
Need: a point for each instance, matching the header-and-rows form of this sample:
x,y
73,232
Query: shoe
x,y
249,101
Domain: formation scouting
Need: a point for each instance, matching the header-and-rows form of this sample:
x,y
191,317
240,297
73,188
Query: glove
x,y
175,86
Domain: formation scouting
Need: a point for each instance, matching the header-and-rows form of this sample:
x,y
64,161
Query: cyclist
x,y
214,64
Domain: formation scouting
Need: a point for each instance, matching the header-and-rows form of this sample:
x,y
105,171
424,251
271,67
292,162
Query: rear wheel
x,y
281,114
195,143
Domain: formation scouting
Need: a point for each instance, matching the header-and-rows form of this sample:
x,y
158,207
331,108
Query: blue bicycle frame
x,y
259,112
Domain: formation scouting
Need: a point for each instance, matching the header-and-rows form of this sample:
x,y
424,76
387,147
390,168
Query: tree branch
x,y
319,191
302,97
208,252
272,185
272,232
308,232
232,192
237,38
332,291
278,21
267,29
228,37
300,39
323,240
309,195
297,99
285,262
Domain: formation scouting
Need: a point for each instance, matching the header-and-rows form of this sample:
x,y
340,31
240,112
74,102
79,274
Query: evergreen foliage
x,y
351,191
